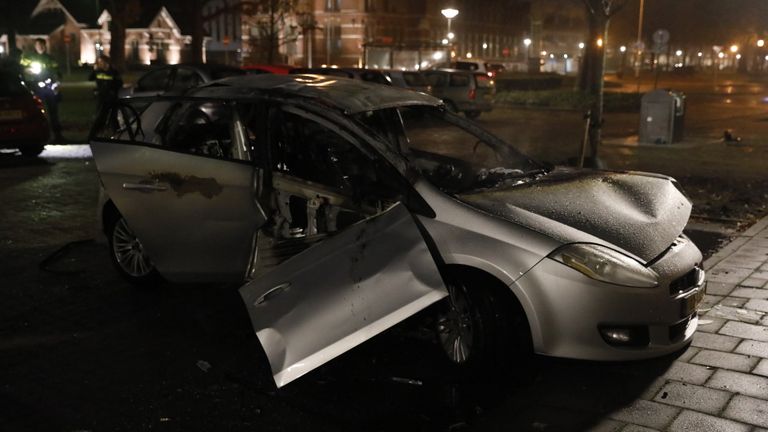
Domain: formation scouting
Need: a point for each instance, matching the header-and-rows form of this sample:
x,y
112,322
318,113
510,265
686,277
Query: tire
x,y
482,332
32,150
472,114
127,254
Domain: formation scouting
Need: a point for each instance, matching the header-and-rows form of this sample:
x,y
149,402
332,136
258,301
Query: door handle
x,y
143,187
272,293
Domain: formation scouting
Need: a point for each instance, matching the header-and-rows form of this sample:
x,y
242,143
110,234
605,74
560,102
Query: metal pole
x,y
309,44
639,62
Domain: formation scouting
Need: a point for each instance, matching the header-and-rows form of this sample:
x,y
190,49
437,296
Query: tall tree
x,y
599,13
270,29
122,12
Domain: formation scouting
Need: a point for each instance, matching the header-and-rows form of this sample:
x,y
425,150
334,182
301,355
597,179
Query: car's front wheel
x,y
128,254
481,332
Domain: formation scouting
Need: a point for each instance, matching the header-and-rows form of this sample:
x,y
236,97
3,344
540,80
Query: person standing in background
x,y
42,72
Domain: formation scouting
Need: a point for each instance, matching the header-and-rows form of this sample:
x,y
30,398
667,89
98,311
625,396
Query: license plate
x,y
11,115
690,304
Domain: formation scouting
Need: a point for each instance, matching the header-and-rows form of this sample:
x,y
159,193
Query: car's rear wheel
x,y
481,331
31,150
128,254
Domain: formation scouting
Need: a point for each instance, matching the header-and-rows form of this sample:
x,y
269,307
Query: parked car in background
x,y
495,69
370,75
411,80
472,65
176,79
462,91
23,122
349,207
279,69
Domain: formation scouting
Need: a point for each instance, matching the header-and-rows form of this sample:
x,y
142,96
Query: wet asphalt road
x,y
82,350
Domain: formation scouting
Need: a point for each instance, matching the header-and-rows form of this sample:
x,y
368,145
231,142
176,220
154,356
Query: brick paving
x,y
721,382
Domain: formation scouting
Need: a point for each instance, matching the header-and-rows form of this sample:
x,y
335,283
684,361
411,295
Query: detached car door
x,y
364,265
185,187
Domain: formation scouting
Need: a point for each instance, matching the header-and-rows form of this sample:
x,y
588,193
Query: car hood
x,y
637,212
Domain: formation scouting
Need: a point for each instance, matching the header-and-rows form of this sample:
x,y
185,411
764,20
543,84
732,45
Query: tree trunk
x,y
198,33
592,78
117,42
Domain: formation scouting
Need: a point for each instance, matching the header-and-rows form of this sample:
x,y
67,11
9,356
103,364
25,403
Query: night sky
x,y
695,22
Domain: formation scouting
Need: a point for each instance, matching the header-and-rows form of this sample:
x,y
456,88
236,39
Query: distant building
x,y
223,22
77,35
558,27
157,40
390,33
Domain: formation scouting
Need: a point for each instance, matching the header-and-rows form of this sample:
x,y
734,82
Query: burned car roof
x,y
352,96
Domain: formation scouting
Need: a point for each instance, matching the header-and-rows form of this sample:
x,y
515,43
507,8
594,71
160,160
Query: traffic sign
x,y
661,37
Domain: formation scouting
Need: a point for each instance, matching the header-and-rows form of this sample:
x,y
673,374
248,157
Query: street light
x,y
527,42
760,43
581,45
449,14
734,49
623,49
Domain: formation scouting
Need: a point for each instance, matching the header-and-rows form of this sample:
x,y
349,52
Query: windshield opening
x,y
452,153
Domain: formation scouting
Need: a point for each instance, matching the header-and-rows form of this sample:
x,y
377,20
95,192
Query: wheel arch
x,y
109,213
508,294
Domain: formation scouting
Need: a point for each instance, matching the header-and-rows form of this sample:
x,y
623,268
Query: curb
x,y
736,243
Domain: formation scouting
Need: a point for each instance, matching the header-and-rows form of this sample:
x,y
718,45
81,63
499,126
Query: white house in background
x,y
159,41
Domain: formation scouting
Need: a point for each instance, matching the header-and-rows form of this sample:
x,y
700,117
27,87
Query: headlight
x,y
36,68
606,265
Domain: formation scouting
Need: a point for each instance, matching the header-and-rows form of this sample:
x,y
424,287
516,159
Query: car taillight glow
x,y
472,94
39,104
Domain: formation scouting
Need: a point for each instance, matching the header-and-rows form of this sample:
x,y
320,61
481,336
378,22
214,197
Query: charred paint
x,y
183,185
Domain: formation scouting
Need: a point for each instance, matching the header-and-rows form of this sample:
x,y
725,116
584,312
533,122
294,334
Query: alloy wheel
x,y
454,327
129,252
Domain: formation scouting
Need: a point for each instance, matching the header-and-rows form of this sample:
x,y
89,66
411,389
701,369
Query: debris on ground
x,y
408,381
203,365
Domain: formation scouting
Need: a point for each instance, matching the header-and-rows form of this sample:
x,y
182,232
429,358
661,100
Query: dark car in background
x,y
176,79
23,121
370,75
280,69
462,91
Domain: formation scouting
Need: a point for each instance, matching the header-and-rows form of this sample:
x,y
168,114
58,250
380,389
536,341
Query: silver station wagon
x,y
345,207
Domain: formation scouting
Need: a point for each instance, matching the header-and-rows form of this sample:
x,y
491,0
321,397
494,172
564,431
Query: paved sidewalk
x,y
721,382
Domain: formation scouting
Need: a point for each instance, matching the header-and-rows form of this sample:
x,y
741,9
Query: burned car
x,y
346,207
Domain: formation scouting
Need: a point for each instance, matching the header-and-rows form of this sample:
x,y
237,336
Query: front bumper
x,y
568,310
